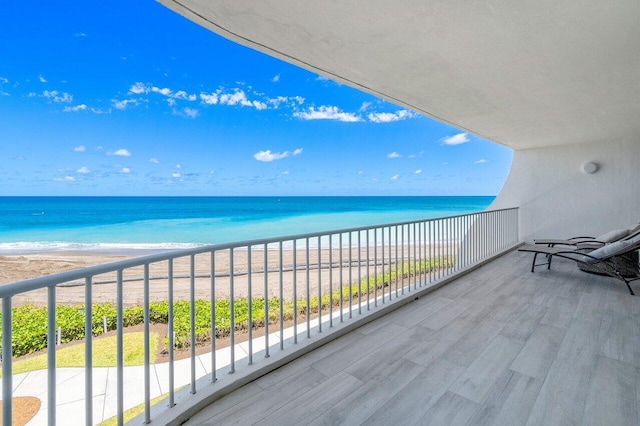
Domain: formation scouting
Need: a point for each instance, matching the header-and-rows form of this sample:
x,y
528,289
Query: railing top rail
x,y
18,287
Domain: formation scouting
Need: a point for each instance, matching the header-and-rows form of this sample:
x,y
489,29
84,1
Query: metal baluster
x,y
359,272
368,273
308,293
265,268
350,276
396,255
319,284
431,252
402,271
375,269
88,353
250,305
390,263
120,346
232,318
341,282
416,263
192,319
382,249
7,362
281,290
330,280
170,328
213,316
51,354
295,292
147,348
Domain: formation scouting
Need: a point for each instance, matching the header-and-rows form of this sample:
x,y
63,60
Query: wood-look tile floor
x,y
498,346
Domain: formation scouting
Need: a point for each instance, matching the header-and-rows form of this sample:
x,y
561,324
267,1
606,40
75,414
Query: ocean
x,y
125,224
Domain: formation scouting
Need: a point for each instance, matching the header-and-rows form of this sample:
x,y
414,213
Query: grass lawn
x,y
104,354
131,412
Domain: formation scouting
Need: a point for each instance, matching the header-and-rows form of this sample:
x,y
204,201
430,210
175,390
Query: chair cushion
x,y
612,236
609,250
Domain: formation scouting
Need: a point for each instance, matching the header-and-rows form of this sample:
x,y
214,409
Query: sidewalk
x,y
70,382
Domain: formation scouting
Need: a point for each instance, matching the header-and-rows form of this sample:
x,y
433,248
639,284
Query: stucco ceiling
x,y
525,74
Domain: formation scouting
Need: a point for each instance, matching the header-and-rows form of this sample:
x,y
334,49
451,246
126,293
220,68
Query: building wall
x,y
558,199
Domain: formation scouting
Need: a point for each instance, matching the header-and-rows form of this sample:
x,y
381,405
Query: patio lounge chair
x,y
607,260
594,242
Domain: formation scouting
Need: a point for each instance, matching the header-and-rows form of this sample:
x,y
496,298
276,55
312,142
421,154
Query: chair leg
x,y
549,264
533,264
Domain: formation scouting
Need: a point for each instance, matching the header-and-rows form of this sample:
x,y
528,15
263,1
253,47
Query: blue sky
x,y
129,98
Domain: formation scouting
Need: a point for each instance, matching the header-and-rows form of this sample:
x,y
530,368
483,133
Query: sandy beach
x,y
24,266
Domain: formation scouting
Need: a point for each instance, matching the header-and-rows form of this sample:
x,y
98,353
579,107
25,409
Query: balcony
x,y
442,323
499,345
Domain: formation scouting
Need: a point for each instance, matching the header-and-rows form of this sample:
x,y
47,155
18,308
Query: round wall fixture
x,y
590,168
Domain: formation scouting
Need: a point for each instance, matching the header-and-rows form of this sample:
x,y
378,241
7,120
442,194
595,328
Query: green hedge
x,y
30,322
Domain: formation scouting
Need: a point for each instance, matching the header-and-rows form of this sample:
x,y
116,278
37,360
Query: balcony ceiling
x,y
523,74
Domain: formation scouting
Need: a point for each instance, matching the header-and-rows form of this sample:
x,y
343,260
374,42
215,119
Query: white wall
x,y
557,199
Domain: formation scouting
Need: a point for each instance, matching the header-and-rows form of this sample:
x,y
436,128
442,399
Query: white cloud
x,y
178,166
164,91
326,112
190,112
83,170
238,97
56,96
364,106
395,177
154,160
360,172
285,173
123,104
100,111
209,99
76,108
292,101
480,161
65,179
181,94
186,112
138,88
42,79
80,148
417,172
122,152
388,117
4,80
175,175
267,156
80,34
125,170
394,155
276,78
458,139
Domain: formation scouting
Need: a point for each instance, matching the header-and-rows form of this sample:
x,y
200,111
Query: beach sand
x,y
24,266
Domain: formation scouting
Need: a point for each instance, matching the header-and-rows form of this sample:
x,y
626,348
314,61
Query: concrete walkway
x,y
70,383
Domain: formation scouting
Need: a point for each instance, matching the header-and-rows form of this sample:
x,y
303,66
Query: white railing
x,y
309,282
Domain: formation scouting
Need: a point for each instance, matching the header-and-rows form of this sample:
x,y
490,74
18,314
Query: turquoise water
x,y
161,223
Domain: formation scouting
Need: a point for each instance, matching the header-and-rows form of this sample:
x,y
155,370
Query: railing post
x,y
51,355
88,352
120,347
147,348
7,359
